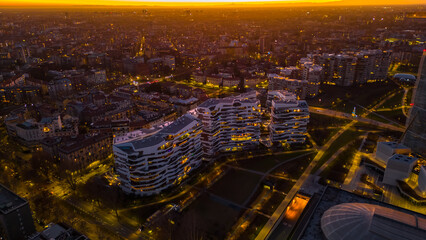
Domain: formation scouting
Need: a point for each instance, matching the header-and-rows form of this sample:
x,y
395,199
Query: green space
x,y
344,98
283,185
394,101
210,217
378,118
273,202
337,170
395,115
254,228
341,141
321,127
264,163
236,185
294,169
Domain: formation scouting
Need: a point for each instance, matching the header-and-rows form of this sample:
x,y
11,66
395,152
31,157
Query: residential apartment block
x,y
150,161
230,124
289,118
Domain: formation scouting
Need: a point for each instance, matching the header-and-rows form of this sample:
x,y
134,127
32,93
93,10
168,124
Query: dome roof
x,y
353,221
346,221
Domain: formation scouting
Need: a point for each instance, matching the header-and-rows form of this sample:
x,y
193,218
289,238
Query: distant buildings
x,y
78,151
372,65
149,162
350,68
289,118
299,87
31,131
415,137
16,221
230,124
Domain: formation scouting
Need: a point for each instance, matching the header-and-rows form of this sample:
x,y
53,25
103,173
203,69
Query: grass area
x,y
283,185
210,217
271,205
341,141
294,169
254,228
264,163
378,118
395,115
339,167
394,101
343,98
321,127
236,185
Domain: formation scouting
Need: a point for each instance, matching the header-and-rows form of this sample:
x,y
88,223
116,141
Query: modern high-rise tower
x,y
415,136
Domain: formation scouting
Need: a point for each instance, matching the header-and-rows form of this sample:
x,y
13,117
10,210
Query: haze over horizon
x,y
206,3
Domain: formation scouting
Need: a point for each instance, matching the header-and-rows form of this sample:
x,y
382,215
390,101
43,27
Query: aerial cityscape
x,y
189,120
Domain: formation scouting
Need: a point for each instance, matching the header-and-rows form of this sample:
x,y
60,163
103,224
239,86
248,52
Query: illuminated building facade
x,y
230,124
372,65
289,118
148,163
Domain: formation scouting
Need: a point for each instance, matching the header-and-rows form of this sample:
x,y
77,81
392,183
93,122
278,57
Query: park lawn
x,y
236,185
364,95
273,202
254,228
264,163
341,141
321,127
395,115
339,167
394,101
283,185
212,218
294,169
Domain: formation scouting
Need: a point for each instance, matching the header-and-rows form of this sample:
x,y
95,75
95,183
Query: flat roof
x,y
9,200
310,226
394,145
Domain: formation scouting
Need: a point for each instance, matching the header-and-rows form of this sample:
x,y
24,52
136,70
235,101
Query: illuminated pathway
x,y
349,180
278,215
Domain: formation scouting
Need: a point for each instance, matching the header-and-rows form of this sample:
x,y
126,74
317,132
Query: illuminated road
x,y
405,100
350,182
334,156
278,214
338,114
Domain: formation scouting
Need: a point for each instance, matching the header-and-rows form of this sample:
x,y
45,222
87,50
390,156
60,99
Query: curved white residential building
x,y
289,118
230,124
148,163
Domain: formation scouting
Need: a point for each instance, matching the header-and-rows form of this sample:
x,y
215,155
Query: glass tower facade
x,y
415,137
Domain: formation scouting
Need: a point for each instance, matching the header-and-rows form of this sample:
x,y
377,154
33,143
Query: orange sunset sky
x,y
186,3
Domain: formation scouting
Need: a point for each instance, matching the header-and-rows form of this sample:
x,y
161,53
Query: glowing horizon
x,y
198,3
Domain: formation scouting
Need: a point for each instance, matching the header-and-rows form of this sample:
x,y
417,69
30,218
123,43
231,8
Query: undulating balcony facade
x,y
289,118
150,163
230,124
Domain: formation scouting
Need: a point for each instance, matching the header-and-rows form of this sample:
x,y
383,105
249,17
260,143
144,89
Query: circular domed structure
x,y
356,221
347,221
